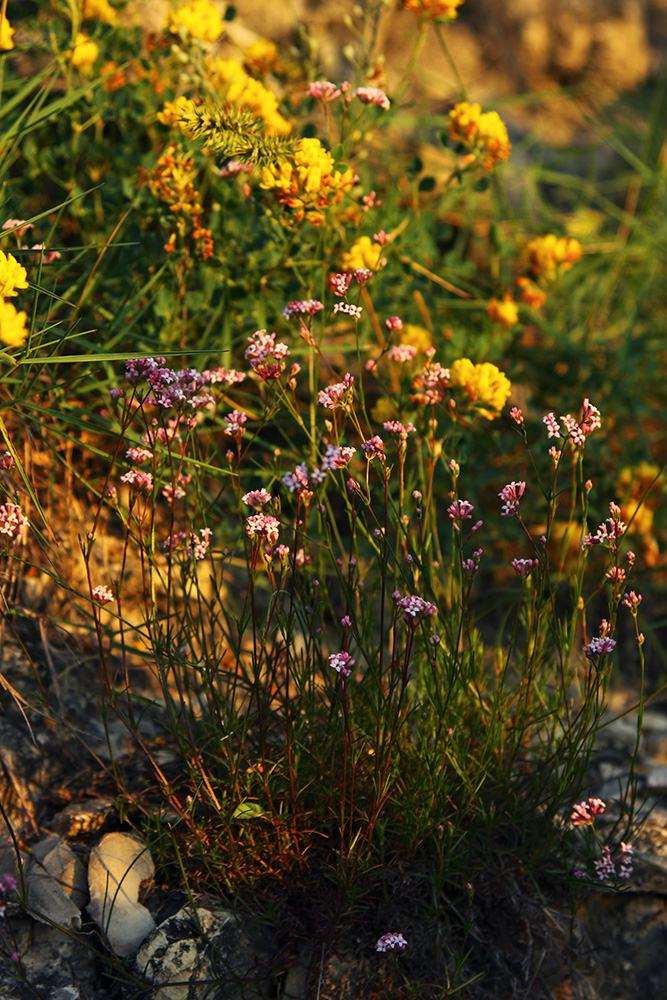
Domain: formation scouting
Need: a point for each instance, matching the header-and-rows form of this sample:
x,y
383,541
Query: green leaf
x,y
248,810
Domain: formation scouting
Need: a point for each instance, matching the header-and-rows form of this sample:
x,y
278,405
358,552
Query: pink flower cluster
x,y
338,394
339,283
524,567
337,457
235,424
167,389
257,498
584,813
263,526
341,662
605,867
400,430
373,447
459,511
139,481
511,496
198,546
265,356
402,353
302,307
599,646
470,566
102,595
349,309
391,942
414,608
324,90
575,430
374,96
429,385
301,480
12,520
609,532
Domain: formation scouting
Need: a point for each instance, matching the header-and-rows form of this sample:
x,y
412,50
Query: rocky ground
x,y
92,902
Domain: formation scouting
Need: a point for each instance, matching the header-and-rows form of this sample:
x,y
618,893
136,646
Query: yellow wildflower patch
x,y
363,253
487,387
99,9
13,329
262,57
433,9
484,134
173,111
12,275
308,185
6,35
84,54
228,79
550,255
504,312
200,19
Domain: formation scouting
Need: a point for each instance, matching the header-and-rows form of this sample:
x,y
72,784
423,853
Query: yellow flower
x,y
173,111
261,57
363,253
485,135
487,387
6,33
84,53
201,19
229,80
12,275
13,330
504,312
416,336
531,294
310,184
550,255
632,483
100,9
432,9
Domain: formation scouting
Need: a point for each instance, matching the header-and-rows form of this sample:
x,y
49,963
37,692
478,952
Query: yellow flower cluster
x,y
531,293
363,253
13,329
6,35
632,483
172,182
233,85
84,54
484,134
200,19
99,9
487,387
504,312
173,111
550,255
432,9
310,184
262,57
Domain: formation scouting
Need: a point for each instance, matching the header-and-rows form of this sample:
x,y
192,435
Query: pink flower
x,y
19,225
337,457
257,498
374,96
511,495
138,455
599,647
102,595
138,480
302,307
609,532
470,566
373,448
553,427
459,511
12,520
381,238
260,526
234,167
605,868
625,866
48,256
524,567
235,421
396,427
402,353
584,813
348,308
632,600
341,662
415,609
323,90
338,394
200,545
517,416
339,283
391,942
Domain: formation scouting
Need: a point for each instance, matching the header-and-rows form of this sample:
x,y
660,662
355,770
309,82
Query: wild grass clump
x,y
371,564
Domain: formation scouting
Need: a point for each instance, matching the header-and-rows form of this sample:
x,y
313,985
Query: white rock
x,y
55,884
118,865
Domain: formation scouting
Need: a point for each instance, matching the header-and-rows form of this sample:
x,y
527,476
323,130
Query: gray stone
x,y
202,957
57,965
117,867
